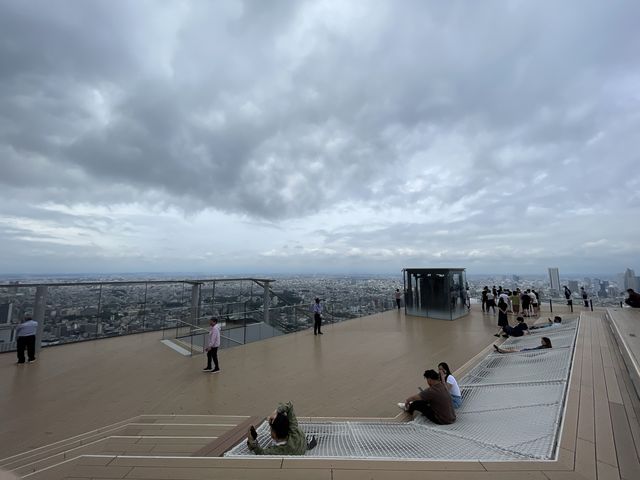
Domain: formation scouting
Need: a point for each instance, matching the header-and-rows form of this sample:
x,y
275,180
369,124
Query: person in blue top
x,y
26,338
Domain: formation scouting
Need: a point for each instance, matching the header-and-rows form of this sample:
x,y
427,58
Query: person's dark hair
x,y
446,368
520,319
630,290
214,319
557,319
547,342
431,374
280,425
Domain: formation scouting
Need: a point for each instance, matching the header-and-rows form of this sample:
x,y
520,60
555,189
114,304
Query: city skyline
x,y
318,137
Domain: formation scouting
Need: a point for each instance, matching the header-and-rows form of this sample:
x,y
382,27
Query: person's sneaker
x,y
320,333
505,336
216,371
496,335
207,369
402,406
31,361
312,444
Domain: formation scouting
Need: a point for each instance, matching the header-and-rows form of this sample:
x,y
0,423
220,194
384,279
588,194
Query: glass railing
x,y
82,311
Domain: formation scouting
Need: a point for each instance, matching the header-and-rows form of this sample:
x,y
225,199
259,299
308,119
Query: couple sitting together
x,y
437,402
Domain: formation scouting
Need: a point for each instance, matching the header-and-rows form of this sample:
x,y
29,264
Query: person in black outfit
x,y
485,292
503,319
567,295
525,300
516,331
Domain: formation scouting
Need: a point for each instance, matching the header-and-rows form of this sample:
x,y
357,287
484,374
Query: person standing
x,y
515,301
26,338
317,317
503,319
485,299
398,297
585,297
212,346
567,295
491,302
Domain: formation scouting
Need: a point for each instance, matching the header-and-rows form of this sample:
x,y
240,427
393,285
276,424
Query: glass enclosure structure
x,y
436,292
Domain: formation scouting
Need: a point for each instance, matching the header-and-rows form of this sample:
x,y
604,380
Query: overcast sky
x,y
322,136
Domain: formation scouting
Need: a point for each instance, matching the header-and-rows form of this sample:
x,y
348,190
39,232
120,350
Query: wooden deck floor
x,y
358,368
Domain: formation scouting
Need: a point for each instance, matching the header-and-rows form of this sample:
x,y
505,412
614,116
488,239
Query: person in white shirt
x,y
317,317
212,346
451,383
26,338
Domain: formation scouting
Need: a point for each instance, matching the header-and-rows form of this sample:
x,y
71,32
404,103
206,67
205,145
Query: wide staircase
x,y
150,436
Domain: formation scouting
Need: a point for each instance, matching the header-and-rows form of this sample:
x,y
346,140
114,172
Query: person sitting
x,y
434,402
544,343
517,331
451,384
634,298
557,320
287,436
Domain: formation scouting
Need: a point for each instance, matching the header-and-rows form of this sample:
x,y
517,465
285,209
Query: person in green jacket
x,y
286,434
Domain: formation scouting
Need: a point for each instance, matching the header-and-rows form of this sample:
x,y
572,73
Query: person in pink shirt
x,y
212,346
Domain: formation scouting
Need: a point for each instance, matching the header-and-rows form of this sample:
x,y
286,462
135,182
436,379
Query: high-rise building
x,y
630,279
604,285
554,279
6,310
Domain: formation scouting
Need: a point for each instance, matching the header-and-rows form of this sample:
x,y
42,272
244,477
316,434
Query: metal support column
x,y
39,306
266,302
195,303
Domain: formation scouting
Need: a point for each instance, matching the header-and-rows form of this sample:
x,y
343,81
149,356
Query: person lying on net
x,y
544,343
519,330
557,321
286,435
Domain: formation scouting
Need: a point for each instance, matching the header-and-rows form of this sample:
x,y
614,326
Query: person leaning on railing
x,y
287,436
634,298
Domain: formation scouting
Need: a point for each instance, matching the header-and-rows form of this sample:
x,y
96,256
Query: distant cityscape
x,y
104,309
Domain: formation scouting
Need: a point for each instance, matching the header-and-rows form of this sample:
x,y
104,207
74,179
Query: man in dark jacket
x,y
634,298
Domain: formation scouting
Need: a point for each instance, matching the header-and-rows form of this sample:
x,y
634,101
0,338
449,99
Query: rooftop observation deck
x,y
359,368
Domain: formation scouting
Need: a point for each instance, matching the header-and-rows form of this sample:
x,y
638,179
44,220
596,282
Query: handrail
x,y
132,282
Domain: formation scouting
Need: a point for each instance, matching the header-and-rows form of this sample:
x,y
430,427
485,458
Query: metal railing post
x,y
591,304
266,301
39,306
195,303
99,315
144,307
550,305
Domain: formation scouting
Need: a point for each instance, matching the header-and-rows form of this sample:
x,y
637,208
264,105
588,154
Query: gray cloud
x,y
483,116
